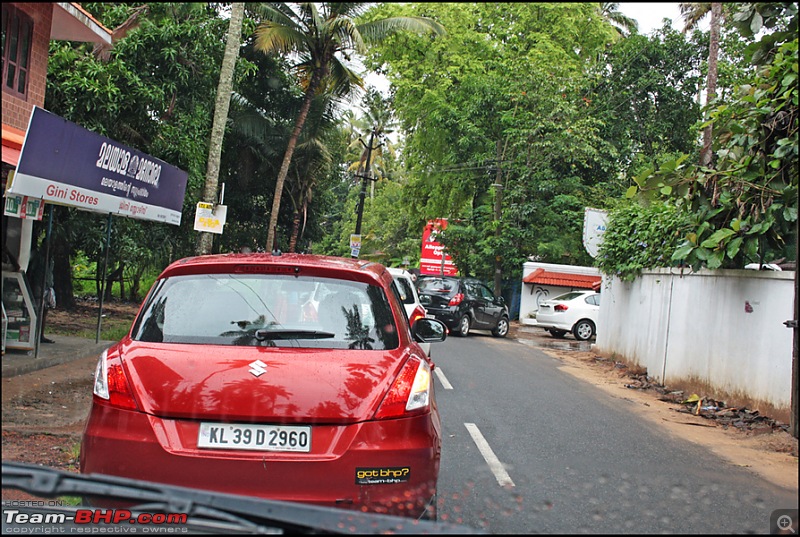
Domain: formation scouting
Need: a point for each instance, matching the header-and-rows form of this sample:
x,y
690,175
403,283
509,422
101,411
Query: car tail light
x,y
418,313
561,307
456,300
410,392
111,385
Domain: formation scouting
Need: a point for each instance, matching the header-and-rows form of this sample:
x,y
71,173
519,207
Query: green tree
x,y
319,34
221,107
643,94
469,125
692,13
152,90
751,214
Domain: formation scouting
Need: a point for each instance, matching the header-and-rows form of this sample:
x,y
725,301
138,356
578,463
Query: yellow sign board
x,y
210,218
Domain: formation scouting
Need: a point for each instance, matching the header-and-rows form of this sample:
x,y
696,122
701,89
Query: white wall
x,y
723,328
534,294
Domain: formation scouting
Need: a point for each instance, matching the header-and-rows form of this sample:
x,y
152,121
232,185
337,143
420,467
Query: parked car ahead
x,y
575,312
464,304
407,289
233,380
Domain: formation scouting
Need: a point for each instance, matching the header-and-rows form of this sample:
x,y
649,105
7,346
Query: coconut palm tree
x,y
692,13
621,22
320,36
204,240
377,118
312,163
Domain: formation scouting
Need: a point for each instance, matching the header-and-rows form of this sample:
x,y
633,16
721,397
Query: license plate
x,y
254,437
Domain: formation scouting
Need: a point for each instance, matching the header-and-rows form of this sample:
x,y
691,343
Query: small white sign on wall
x,y
594,226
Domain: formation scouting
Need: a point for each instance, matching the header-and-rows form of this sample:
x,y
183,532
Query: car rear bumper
x,y
386,466
549,323
449,317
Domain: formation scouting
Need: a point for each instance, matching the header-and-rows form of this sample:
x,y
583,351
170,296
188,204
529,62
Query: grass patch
x,y
109,330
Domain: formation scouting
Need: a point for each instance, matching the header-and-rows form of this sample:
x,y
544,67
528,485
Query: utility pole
x,y
367,175
498,213
794,324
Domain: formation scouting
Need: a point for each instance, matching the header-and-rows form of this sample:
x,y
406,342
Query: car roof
x,y
267,263
399,271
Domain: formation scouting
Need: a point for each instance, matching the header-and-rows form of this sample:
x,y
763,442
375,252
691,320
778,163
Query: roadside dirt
x,y
44,411
770,452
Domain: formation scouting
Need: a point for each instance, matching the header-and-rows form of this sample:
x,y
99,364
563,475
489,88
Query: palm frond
x,y
621,22
310,16
347,35
375,31
342,80
692,13
349,10
276,12
272,37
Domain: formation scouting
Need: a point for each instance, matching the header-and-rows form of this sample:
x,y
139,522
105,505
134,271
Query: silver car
x,y
408,294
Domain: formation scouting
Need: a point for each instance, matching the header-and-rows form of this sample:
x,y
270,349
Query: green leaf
x,y
715,260
682,252
666,190
790,214
640,179
702,253
717,237
631,192
733,247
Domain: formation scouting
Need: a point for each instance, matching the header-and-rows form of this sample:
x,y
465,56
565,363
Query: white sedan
x,y
574,312
408,293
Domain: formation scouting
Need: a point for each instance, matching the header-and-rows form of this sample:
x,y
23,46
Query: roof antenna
x,y
275,250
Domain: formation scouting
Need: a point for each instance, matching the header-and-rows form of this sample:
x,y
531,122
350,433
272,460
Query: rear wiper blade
x,y
212,511
291,333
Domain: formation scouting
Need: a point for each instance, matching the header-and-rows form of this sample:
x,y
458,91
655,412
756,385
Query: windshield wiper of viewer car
x,y
208,512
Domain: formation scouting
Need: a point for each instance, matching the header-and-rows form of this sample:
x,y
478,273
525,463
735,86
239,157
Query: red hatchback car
x,y
290,377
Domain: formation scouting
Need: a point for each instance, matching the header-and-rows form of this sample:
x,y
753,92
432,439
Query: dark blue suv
x,y
463,304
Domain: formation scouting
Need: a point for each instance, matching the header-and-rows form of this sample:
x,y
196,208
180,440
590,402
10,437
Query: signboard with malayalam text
x,y
64,163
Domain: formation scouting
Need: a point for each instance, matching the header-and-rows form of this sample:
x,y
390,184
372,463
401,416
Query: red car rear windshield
x,y
269,310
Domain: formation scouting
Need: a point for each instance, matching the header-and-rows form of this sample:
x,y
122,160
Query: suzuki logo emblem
x,y
258,368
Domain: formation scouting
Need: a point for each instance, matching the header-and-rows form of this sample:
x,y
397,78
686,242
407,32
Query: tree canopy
x,y
510,122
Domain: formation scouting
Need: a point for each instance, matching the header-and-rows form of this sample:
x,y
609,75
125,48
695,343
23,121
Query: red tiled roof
x,y
546,277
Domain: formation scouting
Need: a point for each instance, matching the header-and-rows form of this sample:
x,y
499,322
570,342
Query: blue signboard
x,y
64,163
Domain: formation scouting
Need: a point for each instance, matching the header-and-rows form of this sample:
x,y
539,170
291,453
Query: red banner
x,y
430,262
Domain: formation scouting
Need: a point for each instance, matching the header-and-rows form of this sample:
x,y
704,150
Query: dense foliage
x,y
512,131
509,124
743,208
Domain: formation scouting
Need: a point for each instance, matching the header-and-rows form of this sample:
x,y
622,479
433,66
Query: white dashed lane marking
x,y
443,379
491,459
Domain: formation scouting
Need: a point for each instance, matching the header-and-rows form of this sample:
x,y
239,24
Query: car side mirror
x,y
500,300
427,330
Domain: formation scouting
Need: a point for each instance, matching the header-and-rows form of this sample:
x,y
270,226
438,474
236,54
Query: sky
x,y
650,14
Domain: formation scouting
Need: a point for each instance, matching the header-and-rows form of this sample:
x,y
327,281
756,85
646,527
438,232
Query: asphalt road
x,y
530,449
